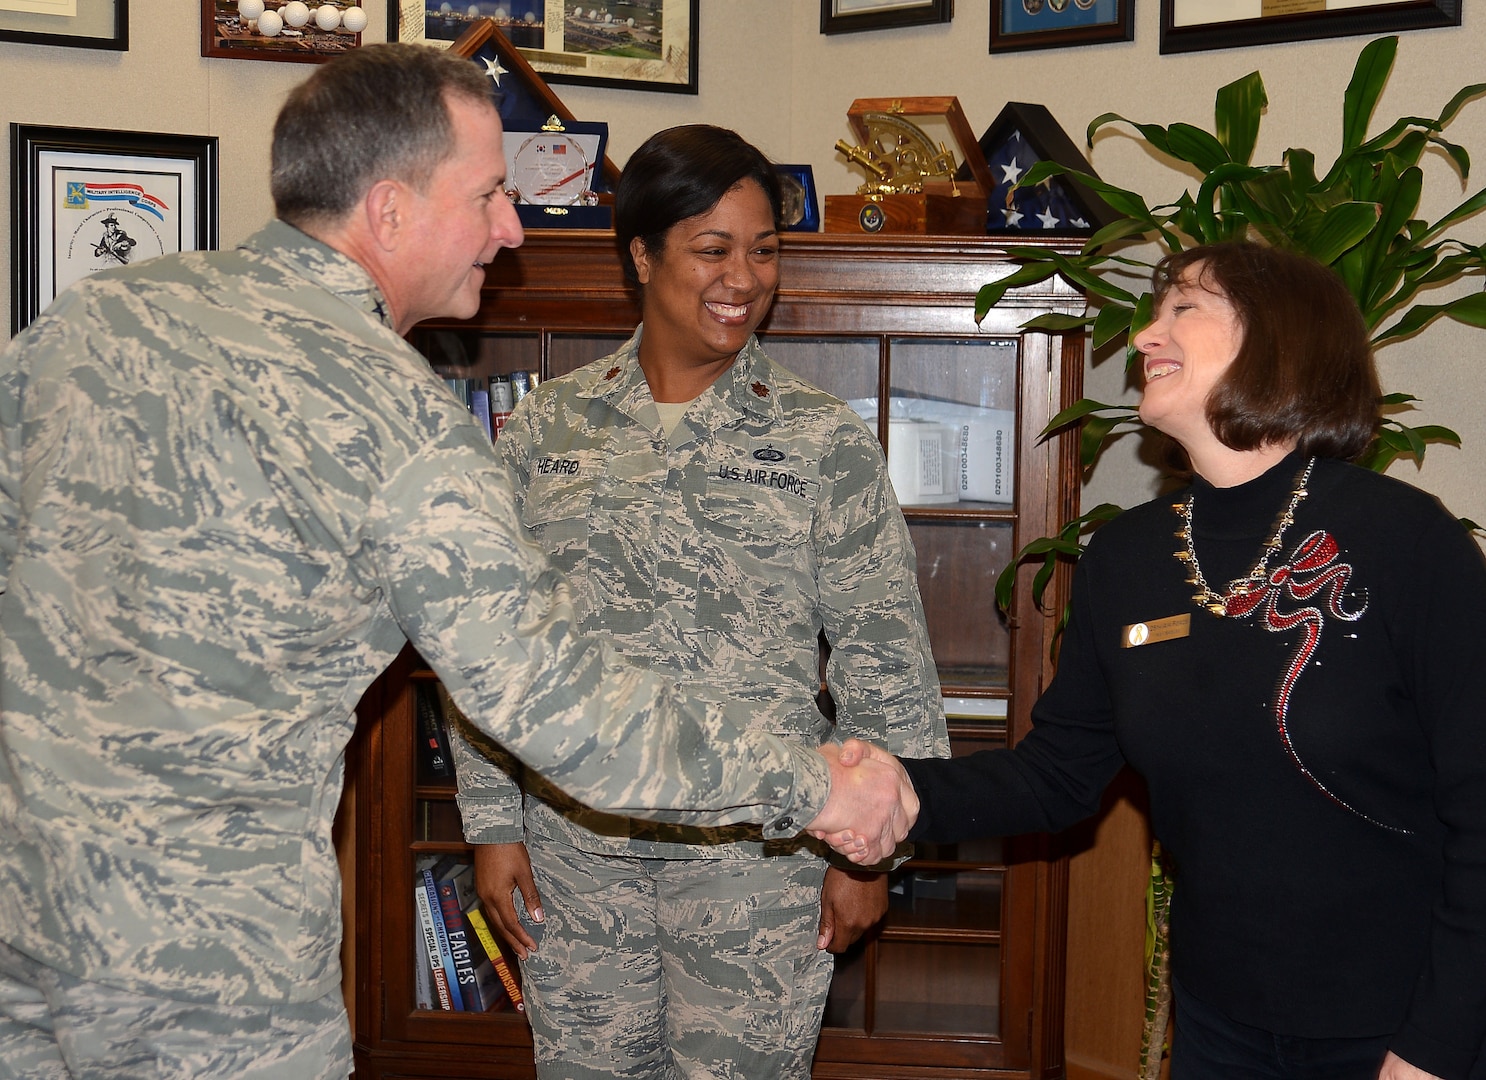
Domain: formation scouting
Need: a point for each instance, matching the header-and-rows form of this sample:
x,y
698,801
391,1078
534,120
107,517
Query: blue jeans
x,y
1207,1045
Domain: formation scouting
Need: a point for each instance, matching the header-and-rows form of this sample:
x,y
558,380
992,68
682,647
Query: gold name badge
x,y
1148,633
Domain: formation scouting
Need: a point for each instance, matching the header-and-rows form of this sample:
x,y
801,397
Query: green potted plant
x,y
1359,217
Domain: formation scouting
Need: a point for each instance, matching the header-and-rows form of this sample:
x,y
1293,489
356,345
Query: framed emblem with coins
x,y
84,200
1051,24
801,207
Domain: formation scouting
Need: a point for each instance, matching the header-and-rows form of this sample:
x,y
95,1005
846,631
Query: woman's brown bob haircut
x,y
1304,370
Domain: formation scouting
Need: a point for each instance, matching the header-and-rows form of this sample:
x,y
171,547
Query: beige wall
x,y
768,72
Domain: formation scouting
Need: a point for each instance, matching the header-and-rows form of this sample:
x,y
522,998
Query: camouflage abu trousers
x,y
669,968
56,1027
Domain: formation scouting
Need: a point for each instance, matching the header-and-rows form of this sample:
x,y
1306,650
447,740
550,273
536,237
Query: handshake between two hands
x,y
872,804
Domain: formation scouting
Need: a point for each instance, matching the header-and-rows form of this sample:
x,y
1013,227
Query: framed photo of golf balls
x,y
280,29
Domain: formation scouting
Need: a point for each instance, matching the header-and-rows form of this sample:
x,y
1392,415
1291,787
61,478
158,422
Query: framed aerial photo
x,y
84,200
1054,24
1195,25
308,33
849,16
79,24
630,44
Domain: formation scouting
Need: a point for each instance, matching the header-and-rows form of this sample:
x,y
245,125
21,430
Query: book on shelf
x,y
433,731
430,958
480,406
494,957
446,953
478,983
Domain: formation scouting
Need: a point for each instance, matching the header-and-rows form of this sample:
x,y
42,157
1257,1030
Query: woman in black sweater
x,y
1292,652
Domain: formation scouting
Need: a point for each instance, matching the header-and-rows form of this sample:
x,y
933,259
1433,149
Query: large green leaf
x,y
1056,322
1470,310
1361,97
1198,147
1326,236
1151,133
1125,202
990,295
1464,94
1050,549
1236,113
1473,205
1112,321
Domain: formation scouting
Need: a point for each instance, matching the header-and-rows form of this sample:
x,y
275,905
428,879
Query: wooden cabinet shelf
x,y
964,977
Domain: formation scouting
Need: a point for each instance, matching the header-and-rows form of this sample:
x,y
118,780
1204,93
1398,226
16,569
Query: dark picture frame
x,y
1055,24
662,56
67,183
224,34
98,24
850,16
1371,17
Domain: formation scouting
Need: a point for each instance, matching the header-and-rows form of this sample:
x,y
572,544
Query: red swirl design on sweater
x,y
1311,570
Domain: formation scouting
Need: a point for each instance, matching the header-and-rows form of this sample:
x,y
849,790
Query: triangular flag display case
x,y
1020,137
556,163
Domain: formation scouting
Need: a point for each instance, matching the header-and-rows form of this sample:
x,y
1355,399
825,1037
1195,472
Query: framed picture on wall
x,y
849,16
633,46
80,24
308,33
1194,25
84,200
1053,24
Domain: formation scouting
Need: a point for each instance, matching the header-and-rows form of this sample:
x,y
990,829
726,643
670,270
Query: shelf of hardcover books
x,y
457,964
444,981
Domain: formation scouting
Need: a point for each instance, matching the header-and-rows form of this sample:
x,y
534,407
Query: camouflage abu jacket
x,y
717,555
228,492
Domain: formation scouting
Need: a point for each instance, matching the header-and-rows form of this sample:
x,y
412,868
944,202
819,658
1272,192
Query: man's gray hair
x,y
374,113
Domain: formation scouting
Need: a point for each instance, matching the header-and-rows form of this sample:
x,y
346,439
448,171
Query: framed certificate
x,y
86,200
1195,25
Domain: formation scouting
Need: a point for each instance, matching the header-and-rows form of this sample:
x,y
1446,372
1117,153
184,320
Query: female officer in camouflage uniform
x,y
715,514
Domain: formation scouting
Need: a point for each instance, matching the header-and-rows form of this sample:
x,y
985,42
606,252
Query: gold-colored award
x,y
912,150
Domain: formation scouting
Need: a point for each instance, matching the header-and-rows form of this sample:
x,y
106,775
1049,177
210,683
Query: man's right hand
x,y
501,869
872,804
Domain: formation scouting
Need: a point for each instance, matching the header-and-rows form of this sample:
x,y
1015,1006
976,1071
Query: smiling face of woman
x,y
707,288
1186,350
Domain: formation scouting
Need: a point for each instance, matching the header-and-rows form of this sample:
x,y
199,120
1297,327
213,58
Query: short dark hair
x,y
679,173
373,113
1304,370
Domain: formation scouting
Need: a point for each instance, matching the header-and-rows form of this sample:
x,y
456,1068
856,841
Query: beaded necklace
x,y
1218,603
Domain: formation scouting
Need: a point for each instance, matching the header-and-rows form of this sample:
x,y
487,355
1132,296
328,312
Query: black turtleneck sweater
x,y
1317,767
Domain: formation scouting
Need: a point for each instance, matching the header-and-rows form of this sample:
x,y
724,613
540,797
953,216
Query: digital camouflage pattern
x,y
228,490
717,555
76,1029
741,979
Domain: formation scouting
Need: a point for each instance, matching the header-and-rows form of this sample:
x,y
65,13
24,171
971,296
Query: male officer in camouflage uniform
x,y
229,492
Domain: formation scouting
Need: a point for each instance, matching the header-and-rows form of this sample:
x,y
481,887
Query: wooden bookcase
x,y
965,976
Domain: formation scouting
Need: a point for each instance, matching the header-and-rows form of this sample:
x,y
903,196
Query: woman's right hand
x,y
501,869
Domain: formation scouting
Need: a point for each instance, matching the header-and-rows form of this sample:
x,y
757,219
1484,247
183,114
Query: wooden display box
x,y
924,214
954,206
